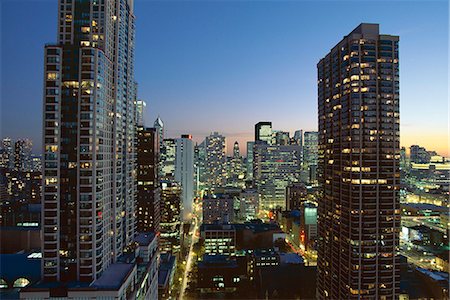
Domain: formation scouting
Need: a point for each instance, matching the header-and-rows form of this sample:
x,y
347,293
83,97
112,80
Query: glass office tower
x,y
359,213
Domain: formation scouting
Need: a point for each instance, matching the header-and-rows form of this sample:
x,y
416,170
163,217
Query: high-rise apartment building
x,y
263,132
89,127
148,188
184,172
359,213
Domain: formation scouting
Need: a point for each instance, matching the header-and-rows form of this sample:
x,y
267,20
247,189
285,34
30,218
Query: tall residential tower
x,y
89,182
359,213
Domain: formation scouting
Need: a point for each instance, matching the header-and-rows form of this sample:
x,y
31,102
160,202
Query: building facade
x,y
263,132
359,213
148,187
184,172
215,166
274,168
89,130
218,209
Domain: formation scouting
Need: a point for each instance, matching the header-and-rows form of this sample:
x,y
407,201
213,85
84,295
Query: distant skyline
x,y
206,66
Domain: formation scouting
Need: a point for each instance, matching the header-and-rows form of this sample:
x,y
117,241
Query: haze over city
x,y
224,66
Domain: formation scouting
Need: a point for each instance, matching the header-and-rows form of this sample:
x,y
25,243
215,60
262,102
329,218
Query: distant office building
x,y
263,132
298,137
310,148
419,155
200,168
7,154
235,168
274,168
167,158
22,155
36,163
248,205
282,138
250,160
359,213
295,195
140,111
218,209
148,187
215,167
159,126
170,208
184,172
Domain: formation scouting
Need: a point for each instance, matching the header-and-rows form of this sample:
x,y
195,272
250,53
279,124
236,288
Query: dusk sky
x,y
206,66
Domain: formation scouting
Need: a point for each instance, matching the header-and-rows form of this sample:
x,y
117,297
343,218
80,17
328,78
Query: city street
x,y
190,257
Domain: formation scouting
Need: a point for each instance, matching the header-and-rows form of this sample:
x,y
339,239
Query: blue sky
x,y
223,66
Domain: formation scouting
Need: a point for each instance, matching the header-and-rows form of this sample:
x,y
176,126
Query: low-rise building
x,y
218,274
133,276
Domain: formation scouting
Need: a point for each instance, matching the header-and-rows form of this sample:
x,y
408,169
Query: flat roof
x,y
114,276
144,238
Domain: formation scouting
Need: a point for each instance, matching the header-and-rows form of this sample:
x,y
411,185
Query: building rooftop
x,y
145,238
114,276
14,266
255,227
216,261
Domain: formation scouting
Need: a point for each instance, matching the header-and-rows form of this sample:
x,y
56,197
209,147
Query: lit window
x,y
52,76
21,282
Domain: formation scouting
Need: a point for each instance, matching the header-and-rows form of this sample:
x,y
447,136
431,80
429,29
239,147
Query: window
x,y
3,284
52,76
21,282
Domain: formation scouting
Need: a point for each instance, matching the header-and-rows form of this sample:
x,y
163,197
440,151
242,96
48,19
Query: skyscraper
x,y
167,159
310,148
310,155
274,168
263,132
159,126
22,155
140,110
148,197
215,160
298,137
89,127
184,172
250,160
359,213
7,154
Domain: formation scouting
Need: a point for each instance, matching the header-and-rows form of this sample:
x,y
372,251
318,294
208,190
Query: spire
x,y
159,122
